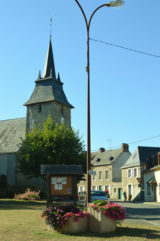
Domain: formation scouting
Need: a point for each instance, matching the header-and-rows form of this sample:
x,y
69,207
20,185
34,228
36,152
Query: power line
x,y
123,47
134,142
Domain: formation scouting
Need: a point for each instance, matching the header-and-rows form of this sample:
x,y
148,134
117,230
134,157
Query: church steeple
x,y
49,64
48,98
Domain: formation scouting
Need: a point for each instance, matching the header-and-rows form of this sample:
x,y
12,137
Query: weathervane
x,y
50,28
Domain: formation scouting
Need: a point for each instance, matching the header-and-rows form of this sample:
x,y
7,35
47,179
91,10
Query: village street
x,y
142,213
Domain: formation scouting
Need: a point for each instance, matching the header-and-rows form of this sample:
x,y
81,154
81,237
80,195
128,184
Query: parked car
x,y
98,195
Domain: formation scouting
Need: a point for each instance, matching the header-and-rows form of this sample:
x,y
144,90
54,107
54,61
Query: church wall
x,y
3,164
38,183
59,111
37,114
8,167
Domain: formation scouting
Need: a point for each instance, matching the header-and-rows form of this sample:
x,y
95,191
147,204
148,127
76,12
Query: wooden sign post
x,y
61,182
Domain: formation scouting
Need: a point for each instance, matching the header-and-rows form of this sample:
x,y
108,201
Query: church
x,y
47,98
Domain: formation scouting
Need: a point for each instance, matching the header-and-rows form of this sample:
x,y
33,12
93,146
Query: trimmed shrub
x,y
28,195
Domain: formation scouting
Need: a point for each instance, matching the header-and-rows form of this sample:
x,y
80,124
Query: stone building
x,y
48,98
107,165
152,179
133,171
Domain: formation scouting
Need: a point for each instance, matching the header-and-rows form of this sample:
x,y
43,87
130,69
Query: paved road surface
x,y
142,213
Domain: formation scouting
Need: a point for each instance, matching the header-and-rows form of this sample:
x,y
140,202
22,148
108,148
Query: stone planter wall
x,y
96,222
74,227
99,223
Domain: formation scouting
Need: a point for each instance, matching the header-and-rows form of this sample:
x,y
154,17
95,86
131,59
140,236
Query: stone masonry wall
x,y
132,181
37,114
102,183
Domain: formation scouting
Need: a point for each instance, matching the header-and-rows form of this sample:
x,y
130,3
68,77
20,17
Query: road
x,y
142,213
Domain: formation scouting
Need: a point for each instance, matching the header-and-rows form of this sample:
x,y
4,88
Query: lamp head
x,y
115,3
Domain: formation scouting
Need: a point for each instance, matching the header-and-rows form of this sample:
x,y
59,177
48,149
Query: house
x,y
107,166
133,172
152,179
48,98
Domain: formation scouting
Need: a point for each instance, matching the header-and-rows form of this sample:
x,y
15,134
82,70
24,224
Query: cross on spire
x,y
50,28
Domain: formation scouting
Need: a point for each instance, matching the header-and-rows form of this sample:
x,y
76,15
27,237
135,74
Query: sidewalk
x,y
122,201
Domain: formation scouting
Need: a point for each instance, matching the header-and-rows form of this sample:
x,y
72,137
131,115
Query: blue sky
x,y
124,85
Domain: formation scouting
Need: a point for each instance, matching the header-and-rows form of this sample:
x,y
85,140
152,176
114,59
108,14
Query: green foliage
x,y
54,144
100,202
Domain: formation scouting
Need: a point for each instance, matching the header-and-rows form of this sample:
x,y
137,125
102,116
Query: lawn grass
x,y
20,221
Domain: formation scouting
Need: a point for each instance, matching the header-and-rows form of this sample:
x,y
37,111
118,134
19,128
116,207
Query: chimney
x,y
125,147
158,158
101,149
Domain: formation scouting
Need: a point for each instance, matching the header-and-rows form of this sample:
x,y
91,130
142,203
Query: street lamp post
x,y
114,3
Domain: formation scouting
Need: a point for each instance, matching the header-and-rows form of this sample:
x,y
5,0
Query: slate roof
x,y
61,169
140,155
11,132
48,89
105,157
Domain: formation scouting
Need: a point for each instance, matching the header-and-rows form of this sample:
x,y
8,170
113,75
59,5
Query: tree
x,y
52,144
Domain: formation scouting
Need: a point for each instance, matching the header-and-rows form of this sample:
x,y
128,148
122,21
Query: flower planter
x,y
99,223
101,217
72,227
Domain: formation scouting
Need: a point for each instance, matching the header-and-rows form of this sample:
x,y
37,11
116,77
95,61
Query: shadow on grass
x,y
125,232
7,204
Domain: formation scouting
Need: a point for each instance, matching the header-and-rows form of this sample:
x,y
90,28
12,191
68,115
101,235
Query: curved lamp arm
x,y
114,3
84,15
101,6
82,12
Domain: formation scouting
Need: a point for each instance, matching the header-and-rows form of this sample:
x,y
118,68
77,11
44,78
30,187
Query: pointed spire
x,y
49,65
59,79
39,75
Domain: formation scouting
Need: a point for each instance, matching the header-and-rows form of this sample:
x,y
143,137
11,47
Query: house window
x,y
100,188
94,188
129,173
106,175
114,190
100,175
135,172
39,108
94,177
81,188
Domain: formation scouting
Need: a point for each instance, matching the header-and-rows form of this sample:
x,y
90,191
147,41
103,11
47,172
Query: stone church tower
x,y
48,98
